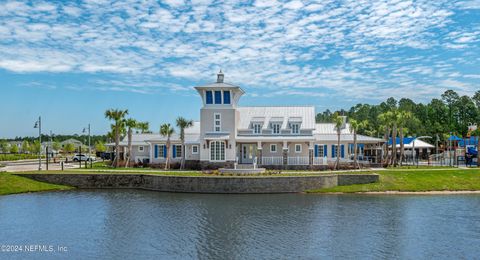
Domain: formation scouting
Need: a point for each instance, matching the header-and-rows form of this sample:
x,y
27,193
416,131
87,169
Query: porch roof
x,y
273,138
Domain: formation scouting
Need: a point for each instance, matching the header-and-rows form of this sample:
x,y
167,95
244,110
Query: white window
x,y
161,151
276,128
194,149
217,122
178,151
298,148
141,148
320,152
257,128
273,148
295,128
217,151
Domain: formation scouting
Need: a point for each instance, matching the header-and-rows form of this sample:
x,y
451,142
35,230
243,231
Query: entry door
x,y
248,153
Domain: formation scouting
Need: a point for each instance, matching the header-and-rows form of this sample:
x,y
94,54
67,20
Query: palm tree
x,y
403,118
183,123
383,118
118,116
130,124
354,127
394,122
338,121
166,130
143,127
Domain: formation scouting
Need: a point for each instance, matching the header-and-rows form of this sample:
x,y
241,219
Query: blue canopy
x,y
454,138
472,140
406,140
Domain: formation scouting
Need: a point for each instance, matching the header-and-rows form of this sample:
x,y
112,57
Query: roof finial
x,y
220,76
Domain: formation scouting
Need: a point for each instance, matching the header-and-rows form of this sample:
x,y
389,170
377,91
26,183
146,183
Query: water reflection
x,y
152,225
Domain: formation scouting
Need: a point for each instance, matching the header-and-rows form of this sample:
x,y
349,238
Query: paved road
x,y
33,166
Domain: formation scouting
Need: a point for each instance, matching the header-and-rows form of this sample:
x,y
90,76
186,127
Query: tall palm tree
x,y
383,118
403,118
118,116
166,130
143,127
338,122
130,124
183,123
394,122
354,127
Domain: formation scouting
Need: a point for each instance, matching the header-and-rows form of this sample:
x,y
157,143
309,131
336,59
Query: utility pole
x,y
38,124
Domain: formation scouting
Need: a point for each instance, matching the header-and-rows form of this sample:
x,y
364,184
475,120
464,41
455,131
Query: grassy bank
x,y
11,184
417,180
16,157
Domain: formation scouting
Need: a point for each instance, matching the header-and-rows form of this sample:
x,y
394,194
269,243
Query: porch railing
x,y
297,160
320,161
273,160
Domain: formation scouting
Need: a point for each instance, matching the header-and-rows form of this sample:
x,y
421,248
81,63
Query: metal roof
x,y
252,114
329,128
346,138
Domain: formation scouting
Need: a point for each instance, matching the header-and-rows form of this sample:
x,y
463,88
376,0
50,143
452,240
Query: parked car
x,y
82,157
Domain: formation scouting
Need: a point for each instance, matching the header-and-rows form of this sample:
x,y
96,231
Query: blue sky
x,y
70,61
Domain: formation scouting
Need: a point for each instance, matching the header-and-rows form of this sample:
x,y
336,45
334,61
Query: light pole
x,y
38,124
89,146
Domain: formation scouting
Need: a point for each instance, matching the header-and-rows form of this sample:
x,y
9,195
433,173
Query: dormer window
x,y
295,128
257,128
276,128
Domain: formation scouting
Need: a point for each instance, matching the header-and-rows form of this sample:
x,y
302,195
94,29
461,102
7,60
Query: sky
x,y
69,61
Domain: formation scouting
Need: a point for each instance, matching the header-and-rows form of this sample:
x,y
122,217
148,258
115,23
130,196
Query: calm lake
x,y
130,224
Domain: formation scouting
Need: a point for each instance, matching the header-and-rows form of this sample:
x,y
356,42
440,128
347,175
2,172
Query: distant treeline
x,y
60,138
450,113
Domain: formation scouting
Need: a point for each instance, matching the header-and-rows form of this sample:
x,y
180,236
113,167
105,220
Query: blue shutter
x,y
209,97
156,151
174,151
342,150
218,97
226,97
334,151
325,150
316,150
164,151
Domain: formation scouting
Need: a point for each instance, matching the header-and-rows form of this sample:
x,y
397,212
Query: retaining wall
x,y
208,184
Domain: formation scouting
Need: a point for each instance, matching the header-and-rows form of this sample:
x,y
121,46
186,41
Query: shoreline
x,y
433,192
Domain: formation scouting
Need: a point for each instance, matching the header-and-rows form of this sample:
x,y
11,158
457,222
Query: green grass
x,y
16,157
417,180
11,184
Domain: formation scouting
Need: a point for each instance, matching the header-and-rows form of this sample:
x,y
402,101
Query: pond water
x,y
132,224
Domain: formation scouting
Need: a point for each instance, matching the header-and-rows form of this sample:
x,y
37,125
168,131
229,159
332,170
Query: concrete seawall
x,y
207,184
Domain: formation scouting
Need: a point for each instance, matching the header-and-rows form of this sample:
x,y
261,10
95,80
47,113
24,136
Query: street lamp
x,y
413,152
38,124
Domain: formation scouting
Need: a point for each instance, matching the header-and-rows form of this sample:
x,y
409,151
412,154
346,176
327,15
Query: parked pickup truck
x,y
82,157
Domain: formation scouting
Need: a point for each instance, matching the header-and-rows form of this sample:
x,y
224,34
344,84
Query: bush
x,y
16,157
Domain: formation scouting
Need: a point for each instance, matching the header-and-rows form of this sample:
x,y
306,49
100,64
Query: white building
x,y
271,136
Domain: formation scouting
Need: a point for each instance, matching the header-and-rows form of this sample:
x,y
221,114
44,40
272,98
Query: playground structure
x,y
456,151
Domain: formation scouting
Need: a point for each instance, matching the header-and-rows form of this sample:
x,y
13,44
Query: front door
x,y
247,154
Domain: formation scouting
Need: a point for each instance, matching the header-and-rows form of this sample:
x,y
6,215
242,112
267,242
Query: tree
x,y
338,122
450,98
143,127
354,127
36,147
118,116
69,148
166,130
100,147
403,118
14,148
130,124
4,147
182,124
25,147
56,146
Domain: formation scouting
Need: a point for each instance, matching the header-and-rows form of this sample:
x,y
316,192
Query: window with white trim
x,y
273,148
217,151
141,148
275,128
178,151
295,128
194,149
217,122
320,152
298,148
257,128
161,149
